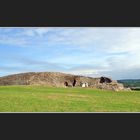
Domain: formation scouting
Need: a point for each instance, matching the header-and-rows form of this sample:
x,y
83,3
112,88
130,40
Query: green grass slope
x,y
48,99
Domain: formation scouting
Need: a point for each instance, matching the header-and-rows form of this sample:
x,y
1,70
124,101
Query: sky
x,y
90,51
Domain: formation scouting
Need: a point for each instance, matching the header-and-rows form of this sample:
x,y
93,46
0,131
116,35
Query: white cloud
x,y
42,31
29,32
114,50
12,41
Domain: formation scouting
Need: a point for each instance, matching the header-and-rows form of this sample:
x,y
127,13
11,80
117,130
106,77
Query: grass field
x,y
46,99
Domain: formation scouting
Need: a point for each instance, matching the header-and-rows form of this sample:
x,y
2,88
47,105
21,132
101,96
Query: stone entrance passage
x,y
66,84
74,83
105,80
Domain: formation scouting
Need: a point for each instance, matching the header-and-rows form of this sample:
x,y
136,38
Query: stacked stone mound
x,y
111,86
57,79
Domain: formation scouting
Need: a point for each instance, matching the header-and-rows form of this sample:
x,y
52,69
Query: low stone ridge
x,y
57,79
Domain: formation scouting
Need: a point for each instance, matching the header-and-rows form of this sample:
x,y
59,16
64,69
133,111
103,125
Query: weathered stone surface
x,y
111,86
57,79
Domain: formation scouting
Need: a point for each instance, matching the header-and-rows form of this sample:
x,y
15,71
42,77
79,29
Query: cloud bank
x,y
91,51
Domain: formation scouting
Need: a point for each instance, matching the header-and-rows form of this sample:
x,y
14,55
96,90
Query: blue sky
x,y
90,51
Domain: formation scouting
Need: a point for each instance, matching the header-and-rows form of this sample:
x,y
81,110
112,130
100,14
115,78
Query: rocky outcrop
x,y
111,86
57,79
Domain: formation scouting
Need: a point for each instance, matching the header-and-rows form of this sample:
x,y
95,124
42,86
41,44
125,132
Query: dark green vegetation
x,y
48,99
132,83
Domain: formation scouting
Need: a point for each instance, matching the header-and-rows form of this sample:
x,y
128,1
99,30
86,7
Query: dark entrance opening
x,y
102,80
66,84
74,82
105,80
